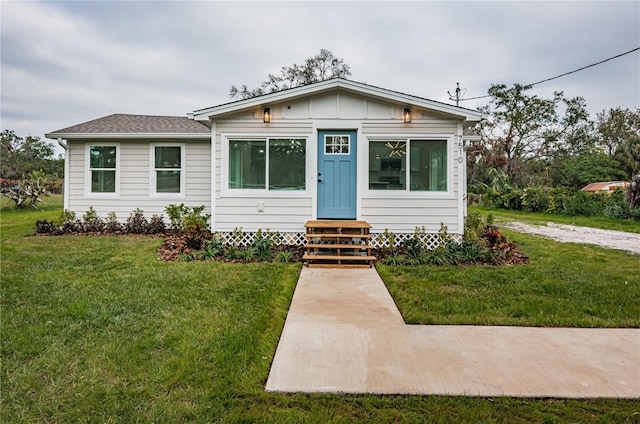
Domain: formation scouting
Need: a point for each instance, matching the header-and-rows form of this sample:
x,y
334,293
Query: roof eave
x,y
129,136
293,93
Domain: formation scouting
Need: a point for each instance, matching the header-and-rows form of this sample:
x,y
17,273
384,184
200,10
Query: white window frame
x,y
225,191
89,170
154,176
407,193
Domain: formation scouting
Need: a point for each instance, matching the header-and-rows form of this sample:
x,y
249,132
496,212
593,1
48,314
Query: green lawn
x,y
603,222
96,329
564,285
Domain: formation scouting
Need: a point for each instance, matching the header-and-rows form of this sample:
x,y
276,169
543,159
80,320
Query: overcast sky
x,y
64,63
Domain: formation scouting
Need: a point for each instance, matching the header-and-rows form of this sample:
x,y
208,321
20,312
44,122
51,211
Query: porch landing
x,y
344,334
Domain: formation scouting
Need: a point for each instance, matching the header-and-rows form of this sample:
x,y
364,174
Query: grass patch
x,y
564,285
96,329
603,222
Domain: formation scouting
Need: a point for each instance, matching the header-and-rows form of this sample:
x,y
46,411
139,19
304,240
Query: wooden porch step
x,y
317,265
339,257
343,235
337,224
328,244
337,246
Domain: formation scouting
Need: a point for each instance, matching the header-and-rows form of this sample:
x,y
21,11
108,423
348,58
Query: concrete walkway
x,y
344,334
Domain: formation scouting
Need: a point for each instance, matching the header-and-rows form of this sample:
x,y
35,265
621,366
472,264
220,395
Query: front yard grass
x,y
564,285
96,329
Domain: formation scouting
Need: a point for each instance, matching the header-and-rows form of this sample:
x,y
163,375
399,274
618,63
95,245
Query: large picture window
x,y
267,164
408,165
103,169
168,172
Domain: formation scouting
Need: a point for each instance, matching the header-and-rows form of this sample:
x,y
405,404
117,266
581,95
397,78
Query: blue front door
x,y
337,174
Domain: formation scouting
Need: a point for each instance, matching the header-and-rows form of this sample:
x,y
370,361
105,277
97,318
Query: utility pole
x,y
459,94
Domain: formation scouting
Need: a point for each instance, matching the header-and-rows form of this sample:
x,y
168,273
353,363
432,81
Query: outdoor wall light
x,y
406,116
266,115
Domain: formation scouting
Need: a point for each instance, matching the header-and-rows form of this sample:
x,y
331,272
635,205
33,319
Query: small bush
x,y
558,198
473,226
189,221
284,256
70,224
44,226
213,248
176,215
136,223
91,222
412,247
111,225
156,225
262,246
535,199
389,247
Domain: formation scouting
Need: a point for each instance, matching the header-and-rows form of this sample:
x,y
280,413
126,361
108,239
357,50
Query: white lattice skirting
x,y
378,240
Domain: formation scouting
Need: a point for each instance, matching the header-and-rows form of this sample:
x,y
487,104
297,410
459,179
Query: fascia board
x,y
133,136
367,90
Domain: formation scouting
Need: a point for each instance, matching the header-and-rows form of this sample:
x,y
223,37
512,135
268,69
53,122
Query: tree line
x,y
552,142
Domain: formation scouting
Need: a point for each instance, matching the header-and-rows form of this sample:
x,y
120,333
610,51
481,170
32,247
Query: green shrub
x,y
412,247
136,223
156,225
284,256
473,226
535,199
189,221
557,200
44,226
91,222
112,226
262,246
176,215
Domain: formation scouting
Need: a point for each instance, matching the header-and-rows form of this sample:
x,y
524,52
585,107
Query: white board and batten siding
x,y
373,119
135,167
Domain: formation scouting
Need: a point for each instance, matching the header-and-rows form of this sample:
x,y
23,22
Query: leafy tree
x,y
628,156
320,67
615,126
19,156
578,171
521,128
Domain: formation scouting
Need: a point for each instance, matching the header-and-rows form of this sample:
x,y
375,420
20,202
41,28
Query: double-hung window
x,y
103,170
267,164
167,177
416,165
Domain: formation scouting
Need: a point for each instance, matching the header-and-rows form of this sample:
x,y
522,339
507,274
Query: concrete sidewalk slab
x,y
344,334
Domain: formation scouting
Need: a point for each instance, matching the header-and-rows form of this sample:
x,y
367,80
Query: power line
x,y
562,75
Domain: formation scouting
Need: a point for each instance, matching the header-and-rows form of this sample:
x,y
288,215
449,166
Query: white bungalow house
x,y
333,150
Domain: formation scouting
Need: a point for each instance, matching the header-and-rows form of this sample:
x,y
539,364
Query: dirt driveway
x,y
574,234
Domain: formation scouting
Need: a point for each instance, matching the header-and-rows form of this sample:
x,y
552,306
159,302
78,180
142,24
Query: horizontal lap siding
x,y
404,215
135,179
280,213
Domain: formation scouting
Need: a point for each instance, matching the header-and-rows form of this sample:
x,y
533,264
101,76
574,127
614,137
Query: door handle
x,y
319,175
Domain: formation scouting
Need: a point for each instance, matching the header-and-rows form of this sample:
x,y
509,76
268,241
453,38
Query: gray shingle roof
x,y
137,124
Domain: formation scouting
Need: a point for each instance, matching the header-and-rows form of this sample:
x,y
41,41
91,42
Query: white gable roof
x,y
468,115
